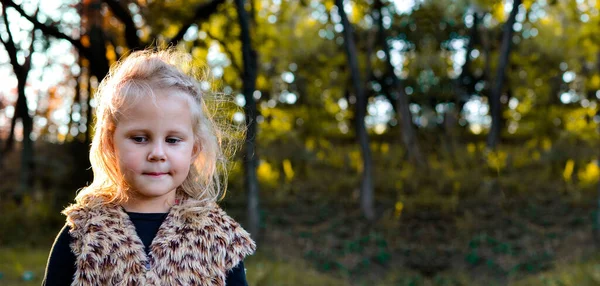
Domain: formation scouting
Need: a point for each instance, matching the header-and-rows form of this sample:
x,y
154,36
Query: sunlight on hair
x,y
133,79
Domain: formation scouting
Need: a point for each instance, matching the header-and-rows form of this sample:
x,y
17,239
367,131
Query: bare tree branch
x,y
9,44
48,30
27,64
202,13
131,36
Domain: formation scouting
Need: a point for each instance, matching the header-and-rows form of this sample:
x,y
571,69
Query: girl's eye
x,y
173,140
139,139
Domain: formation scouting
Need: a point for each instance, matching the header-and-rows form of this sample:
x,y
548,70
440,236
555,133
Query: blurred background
x,y
406,142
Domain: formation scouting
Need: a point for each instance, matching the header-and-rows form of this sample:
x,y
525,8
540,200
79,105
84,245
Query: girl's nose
x,y
157,153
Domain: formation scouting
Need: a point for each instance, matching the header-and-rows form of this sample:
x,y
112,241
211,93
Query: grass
x,y
576,274
263,269
16,264
20,267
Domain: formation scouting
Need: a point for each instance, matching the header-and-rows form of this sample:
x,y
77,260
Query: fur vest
x,y
191,247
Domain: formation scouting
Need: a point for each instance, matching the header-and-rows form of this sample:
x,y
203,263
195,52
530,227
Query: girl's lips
x,y
155,174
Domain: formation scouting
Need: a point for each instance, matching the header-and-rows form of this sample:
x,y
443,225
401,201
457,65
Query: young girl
x,y
150,215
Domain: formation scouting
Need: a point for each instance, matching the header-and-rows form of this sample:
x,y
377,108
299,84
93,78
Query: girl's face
x,y
154,145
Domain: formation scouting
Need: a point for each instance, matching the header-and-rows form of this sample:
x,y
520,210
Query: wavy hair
x,y
133,79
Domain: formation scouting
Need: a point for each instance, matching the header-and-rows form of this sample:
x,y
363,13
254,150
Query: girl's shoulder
x,y
97,213
91,206
208,216
211,224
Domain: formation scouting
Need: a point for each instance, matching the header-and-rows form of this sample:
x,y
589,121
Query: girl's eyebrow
x,y
145,130
138,130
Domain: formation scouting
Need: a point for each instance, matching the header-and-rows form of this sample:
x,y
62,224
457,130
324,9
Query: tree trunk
x,y
95,52
366,188
27,164
464,88
21,110
408,132
596,233
249,85
11,134
466,80
596,225
495,104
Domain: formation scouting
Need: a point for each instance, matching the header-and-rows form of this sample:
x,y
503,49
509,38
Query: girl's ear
x,y
196,151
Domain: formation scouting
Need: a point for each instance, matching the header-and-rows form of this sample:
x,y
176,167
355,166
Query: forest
x,y
374,142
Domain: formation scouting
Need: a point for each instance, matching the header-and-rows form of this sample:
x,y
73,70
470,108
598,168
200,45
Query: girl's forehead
x,y
155,97
163,106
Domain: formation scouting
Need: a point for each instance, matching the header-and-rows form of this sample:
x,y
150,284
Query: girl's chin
x,y
151,194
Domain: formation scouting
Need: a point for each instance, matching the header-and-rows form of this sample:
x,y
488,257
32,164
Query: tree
x,y
94,44
249,85
399,96
21,71
366,187
495,104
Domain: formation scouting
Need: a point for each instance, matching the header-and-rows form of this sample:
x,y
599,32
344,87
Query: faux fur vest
x,y
190,248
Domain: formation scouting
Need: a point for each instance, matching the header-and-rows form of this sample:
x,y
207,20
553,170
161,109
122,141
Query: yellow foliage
x,y
171,31
85,40
266,173
525,105
374,145
279,124
356,160
498,12
385,148
398,209
262,83
320,155
546,144
331,106
198,53
328,5
456,186
577,122
61,137
558,31
497,160
471,148
528,3
399,185
546,20
531,144
325,144
111,56
287,169
568,172
595,82
310,144
588,176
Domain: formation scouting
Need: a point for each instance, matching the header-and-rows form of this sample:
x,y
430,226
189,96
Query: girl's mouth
x,y
154,174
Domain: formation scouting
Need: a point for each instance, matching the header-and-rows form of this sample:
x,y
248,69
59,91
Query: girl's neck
x,y
142,204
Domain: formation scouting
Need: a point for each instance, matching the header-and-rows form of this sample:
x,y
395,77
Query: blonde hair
x,y
133,79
